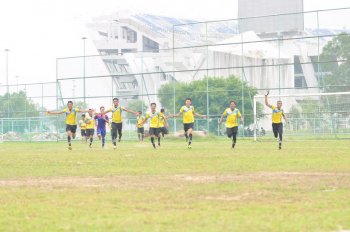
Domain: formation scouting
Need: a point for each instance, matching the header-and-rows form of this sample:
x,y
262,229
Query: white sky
x,y
39,31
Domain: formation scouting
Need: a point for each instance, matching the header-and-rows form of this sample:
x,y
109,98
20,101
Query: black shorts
x,y
163,130
141,130
232,131
71,128
188,126
83,132
277,128
90,132
153,131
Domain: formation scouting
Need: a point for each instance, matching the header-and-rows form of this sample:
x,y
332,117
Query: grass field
x,y
304,187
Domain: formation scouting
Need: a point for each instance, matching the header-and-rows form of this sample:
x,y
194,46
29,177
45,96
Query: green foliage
x,y
19,106
221,91
338,49
137,105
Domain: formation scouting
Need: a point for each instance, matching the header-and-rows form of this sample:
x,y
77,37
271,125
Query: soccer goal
x,y
309,115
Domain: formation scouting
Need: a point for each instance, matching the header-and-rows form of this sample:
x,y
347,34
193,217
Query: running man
x,y
71,120
162,125
140,127
90,126
102,119
117,120
188,114
277,114
82,126
154,123
232,114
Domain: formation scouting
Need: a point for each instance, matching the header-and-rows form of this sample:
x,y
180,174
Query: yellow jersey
x,y
82,124
162,121
90,122
277,114
232,117
154,123
187,114
71,116
139,119
117,114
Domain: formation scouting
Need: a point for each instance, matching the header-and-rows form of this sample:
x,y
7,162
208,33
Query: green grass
x,y
304,187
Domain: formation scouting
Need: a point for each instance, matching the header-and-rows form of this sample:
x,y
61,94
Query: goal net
x,y
311,115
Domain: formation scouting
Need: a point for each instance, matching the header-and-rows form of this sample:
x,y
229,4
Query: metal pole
x,y
255,120
174,81
206,34
84,84
7,81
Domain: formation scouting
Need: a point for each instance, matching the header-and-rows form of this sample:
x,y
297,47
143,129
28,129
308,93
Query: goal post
x,y
309,113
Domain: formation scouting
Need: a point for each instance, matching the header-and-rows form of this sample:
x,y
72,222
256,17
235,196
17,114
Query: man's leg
x,y
120,129
114,135
189,137
69,134
103,136
234,136
280,133
275,129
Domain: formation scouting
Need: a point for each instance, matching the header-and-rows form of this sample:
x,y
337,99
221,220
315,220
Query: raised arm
x,y
54,112
130,111
143,122
266,101
200,115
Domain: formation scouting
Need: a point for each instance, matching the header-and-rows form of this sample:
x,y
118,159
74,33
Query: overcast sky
x,y
39,31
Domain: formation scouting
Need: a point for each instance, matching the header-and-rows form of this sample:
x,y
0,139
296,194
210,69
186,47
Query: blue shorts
x,y
101,131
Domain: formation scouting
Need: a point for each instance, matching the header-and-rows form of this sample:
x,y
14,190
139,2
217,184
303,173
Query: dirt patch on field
x,y
290,179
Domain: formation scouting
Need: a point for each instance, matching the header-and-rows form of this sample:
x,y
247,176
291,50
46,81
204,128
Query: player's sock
x,y
103,142
233,142
186,137
139,137
69,140
91,139
152,141
158,141
190,139
280,145
120,138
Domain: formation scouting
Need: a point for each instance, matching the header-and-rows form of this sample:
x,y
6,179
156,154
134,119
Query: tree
x,y
19,106
221,91
335,60
137,105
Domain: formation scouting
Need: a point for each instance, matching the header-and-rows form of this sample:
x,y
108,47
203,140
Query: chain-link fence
x,y
212,63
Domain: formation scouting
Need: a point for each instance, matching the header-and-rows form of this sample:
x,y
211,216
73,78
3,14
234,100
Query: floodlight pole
x,y
7,81
84,84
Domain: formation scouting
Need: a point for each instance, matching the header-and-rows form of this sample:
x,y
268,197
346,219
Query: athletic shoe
x,y
189,146
114,147
69,147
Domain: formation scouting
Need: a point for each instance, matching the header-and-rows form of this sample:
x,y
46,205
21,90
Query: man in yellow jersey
x,y
154,123
188,114
117,120
162,126
232,114
90,126
71,120
139,125
277,114
82,126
